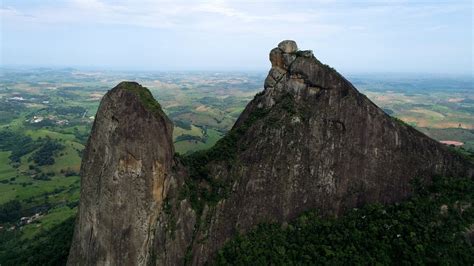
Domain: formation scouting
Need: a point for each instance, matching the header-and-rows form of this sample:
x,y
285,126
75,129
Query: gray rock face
x,y
125,172
319,145
310,140
288,46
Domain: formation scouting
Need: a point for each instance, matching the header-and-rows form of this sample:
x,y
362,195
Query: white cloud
x,y
373,32
91,5
274,19
182,15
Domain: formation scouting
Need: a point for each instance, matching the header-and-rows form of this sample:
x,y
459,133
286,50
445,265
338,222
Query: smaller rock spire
x,y
281,58
288,46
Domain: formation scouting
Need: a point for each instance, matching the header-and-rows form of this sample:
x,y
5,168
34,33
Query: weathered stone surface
x,y
288,59
275,75
316,143
306,53
276,58
125,170
321,145
288,46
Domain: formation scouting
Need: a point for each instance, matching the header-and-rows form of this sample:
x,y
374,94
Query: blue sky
x,y
352,36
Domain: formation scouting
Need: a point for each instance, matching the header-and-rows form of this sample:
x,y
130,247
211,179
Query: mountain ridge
x,y
310,140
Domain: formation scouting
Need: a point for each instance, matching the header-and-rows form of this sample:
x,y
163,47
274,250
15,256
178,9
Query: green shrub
x,y
45,155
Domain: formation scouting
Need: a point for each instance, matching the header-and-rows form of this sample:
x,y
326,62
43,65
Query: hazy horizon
x,y
219,71
427,37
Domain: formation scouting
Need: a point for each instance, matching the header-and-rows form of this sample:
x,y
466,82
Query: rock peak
x,y
289,63
285,53
131,86
288,46
125,170
144,96
126,83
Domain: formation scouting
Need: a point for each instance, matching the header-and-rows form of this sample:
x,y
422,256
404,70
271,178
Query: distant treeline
x,y
18,144
182,124
189,138
45,155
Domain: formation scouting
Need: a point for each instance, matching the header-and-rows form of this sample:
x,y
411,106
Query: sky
x,y
401,36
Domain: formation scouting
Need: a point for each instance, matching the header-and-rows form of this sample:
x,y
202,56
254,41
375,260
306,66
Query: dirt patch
x,y
455,100
452,142
202,108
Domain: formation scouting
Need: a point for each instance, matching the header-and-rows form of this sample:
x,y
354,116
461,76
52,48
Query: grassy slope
x,y
458,134
187,146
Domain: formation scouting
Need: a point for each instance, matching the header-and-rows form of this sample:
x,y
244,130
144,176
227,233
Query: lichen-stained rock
x,y
276,58
274,77
288,46
125,172
310,140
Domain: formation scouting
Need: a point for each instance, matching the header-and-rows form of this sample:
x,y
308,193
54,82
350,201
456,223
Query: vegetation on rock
x,y
429,228
224,150
144,95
